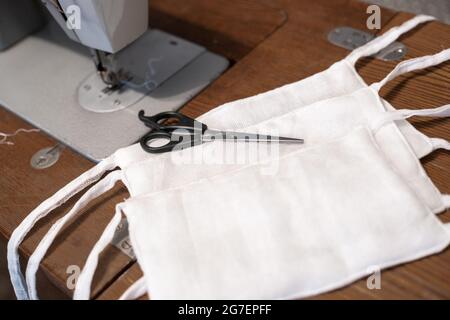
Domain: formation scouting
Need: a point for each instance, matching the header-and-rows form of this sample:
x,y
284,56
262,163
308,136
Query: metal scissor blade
x,y
211,135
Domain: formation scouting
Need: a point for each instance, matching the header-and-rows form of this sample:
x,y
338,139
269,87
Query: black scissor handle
x,y
178,130
175,120
173,140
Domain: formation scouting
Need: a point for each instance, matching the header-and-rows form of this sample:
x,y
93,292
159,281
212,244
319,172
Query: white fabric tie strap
x,y
446,200
135,291
441,112
402,114
83,286
33,263
19,234
439,143
386,39
413,64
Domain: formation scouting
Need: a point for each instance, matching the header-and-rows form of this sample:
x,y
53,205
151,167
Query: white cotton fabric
x,y
317,123
135,291
332,212
389,143
340,79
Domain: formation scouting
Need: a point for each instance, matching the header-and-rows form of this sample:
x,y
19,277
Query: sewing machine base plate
x,y
148,62
40,79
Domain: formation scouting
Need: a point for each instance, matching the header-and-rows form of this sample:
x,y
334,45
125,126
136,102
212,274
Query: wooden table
x,y
271,43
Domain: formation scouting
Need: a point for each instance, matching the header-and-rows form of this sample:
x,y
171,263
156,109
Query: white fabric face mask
x,y
341,78
318,123
389,142
333,212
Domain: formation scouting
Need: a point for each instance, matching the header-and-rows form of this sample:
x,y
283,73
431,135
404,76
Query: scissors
x,y
173,131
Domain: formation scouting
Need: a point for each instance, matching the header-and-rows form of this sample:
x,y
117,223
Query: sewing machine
x,y
86,74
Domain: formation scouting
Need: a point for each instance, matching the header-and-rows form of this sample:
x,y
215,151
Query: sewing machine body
x,y
86,79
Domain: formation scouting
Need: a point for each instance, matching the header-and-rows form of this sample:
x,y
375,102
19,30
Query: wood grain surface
x,y
289,46
23,188
230,28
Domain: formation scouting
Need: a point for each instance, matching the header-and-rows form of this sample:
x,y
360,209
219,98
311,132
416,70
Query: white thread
x,y
4,136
